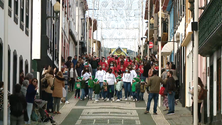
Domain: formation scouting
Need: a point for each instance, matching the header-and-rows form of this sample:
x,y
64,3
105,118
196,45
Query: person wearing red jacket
x,y
127,62
141,69
111,60
103,64
121,68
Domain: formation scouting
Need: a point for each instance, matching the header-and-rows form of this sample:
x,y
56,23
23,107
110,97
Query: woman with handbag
x,y
48,92
58,85
30,96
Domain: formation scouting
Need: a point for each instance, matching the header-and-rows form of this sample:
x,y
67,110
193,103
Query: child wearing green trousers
x,y
78,87
83,85
119,86
135,88
96,89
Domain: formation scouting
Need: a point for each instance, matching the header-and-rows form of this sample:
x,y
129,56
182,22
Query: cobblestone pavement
x,y
118,113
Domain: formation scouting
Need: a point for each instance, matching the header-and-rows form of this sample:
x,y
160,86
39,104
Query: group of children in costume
x,y
101,92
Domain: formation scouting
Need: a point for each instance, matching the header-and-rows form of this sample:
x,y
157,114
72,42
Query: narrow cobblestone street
x,y
118,113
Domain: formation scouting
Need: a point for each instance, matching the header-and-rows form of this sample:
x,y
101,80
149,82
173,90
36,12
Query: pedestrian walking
x,y
105,90
135,89
127,80
154,83
78,87
87,76
119,86
72,75
18,106
59,84
111,80
83,86
100,75
96,89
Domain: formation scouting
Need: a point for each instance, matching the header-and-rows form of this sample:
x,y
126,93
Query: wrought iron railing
x,y
210,20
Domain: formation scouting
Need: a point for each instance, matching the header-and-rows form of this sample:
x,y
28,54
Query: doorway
x,y
219,86
20,68
1,59
26,66
9,68
14,68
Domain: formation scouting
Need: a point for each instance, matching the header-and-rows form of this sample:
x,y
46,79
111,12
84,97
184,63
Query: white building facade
x,y
19,39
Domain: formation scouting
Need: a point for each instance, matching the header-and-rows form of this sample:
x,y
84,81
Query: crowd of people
x,y
104,79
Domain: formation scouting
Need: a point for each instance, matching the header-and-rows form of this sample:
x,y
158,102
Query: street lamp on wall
x,y
56,7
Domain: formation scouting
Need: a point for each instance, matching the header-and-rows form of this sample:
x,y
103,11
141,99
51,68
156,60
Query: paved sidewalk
x,y
182,115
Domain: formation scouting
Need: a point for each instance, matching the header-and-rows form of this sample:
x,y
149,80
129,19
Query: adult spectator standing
x,y
154,84
94,64
21,77
74,61
146,68
30,96
29,77
170,89
150,73
141,70
24,87
164,74
47,91
69,61
18,106
200,86
1,104
59,84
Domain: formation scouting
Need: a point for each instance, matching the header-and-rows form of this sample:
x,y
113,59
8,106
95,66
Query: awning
x,y
167,49
187,39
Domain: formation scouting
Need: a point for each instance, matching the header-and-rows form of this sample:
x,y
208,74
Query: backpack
x,y
35,115
202,94
44,83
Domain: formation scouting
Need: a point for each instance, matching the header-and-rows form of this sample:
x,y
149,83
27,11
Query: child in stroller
x,y
39,108
45,117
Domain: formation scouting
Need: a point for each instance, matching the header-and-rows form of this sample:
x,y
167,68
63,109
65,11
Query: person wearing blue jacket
x,y
30,97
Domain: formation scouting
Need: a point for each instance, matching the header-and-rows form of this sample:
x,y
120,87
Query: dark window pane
x,y
10,3
27,14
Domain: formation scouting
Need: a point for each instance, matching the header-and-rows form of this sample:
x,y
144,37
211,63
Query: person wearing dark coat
x,y
18,106
30,96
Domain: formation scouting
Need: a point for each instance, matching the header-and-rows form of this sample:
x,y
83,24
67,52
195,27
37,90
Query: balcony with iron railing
x,y
210,28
